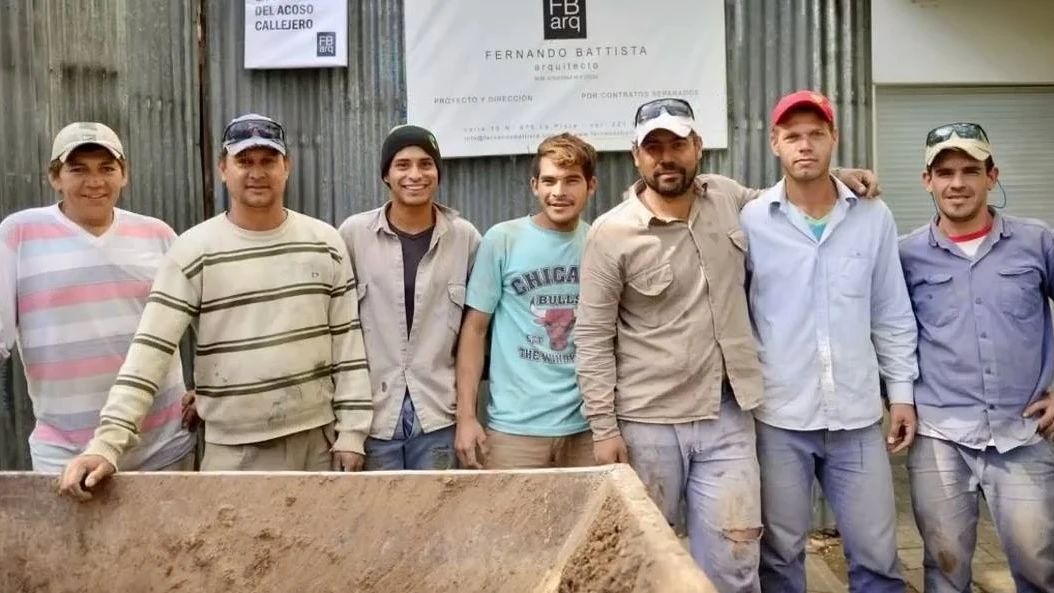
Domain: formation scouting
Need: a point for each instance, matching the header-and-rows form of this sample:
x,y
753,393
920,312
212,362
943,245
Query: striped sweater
x,y
279,347
72,301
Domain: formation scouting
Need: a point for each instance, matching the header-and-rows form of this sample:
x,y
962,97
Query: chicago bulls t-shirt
x,y
526,277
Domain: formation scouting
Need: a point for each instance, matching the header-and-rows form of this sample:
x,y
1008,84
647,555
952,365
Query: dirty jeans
x,y
854,473
410,447
708,468
1018,487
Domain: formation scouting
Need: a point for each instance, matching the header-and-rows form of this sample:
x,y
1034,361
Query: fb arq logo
x,y
564,19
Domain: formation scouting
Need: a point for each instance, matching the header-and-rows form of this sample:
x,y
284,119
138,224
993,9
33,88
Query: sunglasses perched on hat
x,y
670,105
965,130
967,137
248,131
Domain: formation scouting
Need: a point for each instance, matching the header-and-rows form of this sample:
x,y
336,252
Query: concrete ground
x,y
826,563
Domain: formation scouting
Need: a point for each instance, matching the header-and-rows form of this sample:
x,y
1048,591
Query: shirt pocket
x,y
651,290
1019,292
852,274
933,298
455,305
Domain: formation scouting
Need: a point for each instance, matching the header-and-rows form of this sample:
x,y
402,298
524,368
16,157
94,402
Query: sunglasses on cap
x,y
966,130
254,128
652,109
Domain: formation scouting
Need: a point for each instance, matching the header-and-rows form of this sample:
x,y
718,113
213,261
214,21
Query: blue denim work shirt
x,y
984,331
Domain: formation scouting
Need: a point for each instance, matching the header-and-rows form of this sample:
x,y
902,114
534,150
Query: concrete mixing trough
x,y
588,530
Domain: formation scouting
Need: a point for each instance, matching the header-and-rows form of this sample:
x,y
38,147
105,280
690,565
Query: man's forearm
x,y
352,394
137,383
469,370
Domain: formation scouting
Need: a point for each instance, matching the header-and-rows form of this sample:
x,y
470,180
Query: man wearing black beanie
x,y
412,258
405,136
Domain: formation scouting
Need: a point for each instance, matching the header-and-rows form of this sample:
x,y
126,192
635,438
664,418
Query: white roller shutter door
x,y
1019,122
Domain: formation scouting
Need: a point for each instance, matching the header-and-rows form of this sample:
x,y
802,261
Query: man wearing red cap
x,y
665,354
832,316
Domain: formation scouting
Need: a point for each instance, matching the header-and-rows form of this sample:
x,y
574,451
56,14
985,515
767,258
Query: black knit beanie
x,y
409,135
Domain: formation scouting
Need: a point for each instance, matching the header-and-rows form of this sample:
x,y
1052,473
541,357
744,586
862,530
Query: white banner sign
x,y
296,34
494,77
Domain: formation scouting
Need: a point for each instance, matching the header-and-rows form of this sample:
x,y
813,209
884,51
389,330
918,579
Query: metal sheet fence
x,y
169,75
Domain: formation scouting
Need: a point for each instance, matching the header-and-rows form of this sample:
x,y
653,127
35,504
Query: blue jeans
x,y
410,448
710,469
1018,487
854,473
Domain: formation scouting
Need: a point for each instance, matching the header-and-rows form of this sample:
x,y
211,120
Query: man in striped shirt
x,y
74,279
280,368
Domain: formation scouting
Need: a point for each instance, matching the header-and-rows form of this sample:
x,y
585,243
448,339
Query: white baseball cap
x,y
81,133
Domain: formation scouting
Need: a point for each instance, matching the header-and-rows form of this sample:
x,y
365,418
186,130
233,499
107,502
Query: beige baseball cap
x,y
80,133
975,147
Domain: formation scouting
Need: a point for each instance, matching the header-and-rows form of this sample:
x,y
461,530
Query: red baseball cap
x,y
810,99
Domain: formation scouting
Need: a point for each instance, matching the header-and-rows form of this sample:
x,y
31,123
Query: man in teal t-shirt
x,y
525,280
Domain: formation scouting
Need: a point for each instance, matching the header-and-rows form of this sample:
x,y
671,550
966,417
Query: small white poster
x,y
296,34
495,77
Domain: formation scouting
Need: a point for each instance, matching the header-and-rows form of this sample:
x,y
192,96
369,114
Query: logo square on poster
x,y
564,19
326,44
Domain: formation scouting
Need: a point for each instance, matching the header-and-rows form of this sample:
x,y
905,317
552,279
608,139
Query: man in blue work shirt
x,y
979,282
831,315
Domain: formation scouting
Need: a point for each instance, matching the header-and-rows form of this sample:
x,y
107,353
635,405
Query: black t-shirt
x,y
414,249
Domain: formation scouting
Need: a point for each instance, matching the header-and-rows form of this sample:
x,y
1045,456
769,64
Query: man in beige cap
x,y
980,282
74,278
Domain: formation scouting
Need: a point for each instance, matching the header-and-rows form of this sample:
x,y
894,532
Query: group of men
x,y
728,343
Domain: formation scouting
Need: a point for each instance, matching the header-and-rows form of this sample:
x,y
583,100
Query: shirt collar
x,y
777,196
444,217
1001,228
645,216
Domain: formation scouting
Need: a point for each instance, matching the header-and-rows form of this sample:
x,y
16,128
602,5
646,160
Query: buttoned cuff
x,y
604,427
900,392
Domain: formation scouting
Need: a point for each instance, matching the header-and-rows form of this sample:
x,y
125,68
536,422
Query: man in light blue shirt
x,y
526,282
831,316
980,283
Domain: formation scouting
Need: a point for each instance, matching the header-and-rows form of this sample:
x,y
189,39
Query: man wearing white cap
x,y
663,272
980,283
281,376
74,279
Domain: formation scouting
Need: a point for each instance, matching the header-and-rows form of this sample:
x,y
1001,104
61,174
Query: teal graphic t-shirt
x,y
526,278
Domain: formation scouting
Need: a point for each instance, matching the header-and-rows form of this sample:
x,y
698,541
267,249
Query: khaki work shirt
x,y
424,361
662,315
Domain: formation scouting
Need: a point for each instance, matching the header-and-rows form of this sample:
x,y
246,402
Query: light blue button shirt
x,y
831,315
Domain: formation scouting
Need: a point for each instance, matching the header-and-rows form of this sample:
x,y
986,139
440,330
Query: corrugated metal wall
x,y
339,118
143,80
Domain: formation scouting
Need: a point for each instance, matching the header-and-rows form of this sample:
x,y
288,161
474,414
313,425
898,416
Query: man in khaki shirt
x,y
666,358
412,258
